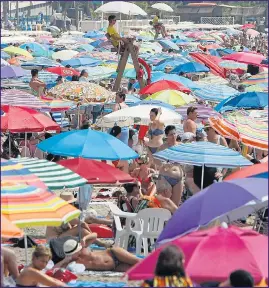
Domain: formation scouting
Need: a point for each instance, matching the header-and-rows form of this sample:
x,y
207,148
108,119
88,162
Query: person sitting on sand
x,y
112,259
32,275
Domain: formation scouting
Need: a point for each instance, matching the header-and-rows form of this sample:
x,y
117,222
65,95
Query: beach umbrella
x,y
4,63
232,65
223,201
215,93
260,78
94,34
212,79
82,91
87,144
8,229
55,176
77,62
163,85
252,33
172,97
137,115
172,63
24,119
63,71
248,26
212,250
156,103
14,97
98,72
248,100
32,206
255,171
162,7
38,49
191,67
40,63
245,57
168,44
257,88
85,47
96,172
15,50
126,8
57,105
4,55
12,72
64,55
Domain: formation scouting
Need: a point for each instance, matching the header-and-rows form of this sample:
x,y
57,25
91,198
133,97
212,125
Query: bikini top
x,y
156,132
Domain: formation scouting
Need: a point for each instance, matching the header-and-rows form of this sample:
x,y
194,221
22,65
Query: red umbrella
x,y
164,85
62,71
21,119
211,255
96,172
247,26
245,57
259,170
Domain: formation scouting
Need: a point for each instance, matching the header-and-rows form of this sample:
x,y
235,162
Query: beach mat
x,y
96,284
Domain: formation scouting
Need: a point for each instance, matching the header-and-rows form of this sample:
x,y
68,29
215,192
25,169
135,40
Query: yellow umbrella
x,y
8,229
172,97
115,65
19,51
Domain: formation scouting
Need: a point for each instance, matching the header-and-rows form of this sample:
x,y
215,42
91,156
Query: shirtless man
x,y
189,125
113,259
36,84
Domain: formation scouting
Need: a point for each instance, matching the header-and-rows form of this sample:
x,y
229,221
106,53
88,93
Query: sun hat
x,y
187,136
71,247
68,197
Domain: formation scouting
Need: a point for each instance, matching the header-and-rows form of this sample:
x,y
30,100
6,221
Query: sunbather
x,y
32,275
112,259
9,264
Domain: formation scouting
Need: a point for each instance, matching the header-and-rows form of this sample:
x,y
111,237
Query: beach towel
x,y
96,284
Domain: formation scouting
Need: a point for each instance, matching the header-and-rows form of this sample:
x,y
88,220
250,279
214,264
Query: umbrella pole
x,y
9,145
25,144
25,247
202,180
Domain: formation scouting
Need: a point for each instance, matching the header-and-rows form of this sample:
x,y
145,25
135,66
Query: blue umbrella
x,y
38,49
76,62
265,61
223,201
173,63
12,72
87,144
3,45
40,62
191,67
85,47
248,100
97,43
4,55
94,34
169,44
154,102
220,52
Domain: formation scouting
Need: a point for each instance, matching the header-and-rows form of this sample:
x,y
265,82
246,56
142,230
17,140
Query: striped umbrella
x,y
55,176
231,65
213,79
16,97
240,127
261,78
44,76
263,87
215,93
57,104
31,206
8,229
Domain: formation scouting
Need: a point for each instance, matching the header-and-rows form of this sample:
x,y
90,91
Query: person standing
x,y
189,125
36,85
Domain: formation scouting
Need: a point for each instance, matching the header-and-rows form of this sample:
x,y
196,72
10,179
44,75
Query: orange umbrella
x,y
8,229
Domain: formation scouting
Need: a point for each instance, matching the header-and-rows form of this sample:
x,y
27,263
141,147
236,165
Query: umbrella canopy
x,y
53,175
231,65
64,54
82,91
223,201
23,119
63,71
87,144
8,229
40,63
167,44
38,49
155,103
162,7
212,79
15,50
96,172
14,97
257,88
4,55
203,153
169,63
252,33
163,85
248,100
4,63
260,78
56,104
255,171
12,72
191,67
85,47
212,250
245,57
172,97
137,115
31,206
247,26
77,62
215,93
126,8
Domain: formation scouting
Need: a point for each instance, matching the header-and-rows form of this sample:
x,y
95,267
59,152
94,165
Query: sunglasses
x,y
139,163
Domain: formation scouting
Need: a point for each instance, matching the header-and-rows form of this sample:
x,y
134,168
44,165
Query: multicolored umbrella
x,y
31,206
172,97
57,104
261,78
55,176
8,229
258,88
82,91
213,79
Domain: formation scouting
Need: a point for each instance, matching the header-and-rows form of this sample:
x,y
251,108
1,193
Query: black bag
x,y
20,242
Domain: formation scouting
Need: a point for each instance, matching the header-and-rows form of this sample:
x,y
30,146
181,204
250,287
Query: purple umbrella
x,y
12,72
225,201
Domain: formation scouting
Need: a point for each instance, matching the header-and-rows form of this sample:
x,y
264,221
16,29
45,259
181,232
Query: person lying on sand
x,y
112,259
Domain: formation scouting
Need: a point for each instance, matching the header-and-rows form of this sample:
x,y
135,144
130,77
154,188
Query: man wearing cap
x,y
189,125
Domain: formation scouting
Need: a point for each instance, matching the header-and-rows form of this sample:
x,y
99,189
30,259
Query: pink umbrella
x,y
211,255
245,57
252,33
247,26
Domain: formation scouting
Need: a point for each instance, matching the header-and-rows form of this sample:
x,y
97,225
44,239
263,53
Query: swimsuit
x,y
19,285
153,149
155,132
172,181
117,262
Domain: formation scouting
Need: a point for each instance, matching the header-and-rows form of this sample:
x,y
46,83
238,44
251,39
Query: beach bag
x,y
62,274
20,242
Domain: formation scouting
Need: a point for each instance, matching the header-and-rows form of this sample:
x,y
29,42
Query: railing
x,y
217,20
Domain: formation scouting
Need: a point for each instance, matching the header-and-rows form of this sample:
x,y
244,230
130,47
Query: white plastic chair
x,y
122,233
152,221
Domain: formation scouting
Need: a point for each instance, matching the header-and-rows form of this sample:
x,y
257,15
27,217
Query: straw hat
x,y
71,247
68,197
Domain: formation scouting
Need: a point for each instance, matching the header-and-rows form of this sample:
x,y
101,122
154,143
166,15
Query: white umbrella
x,y
64,55
138,115
126,8
162,7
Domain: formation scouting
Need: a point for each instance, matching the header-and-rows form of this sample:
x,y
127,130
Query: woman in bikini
x,y
32,275
143,174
